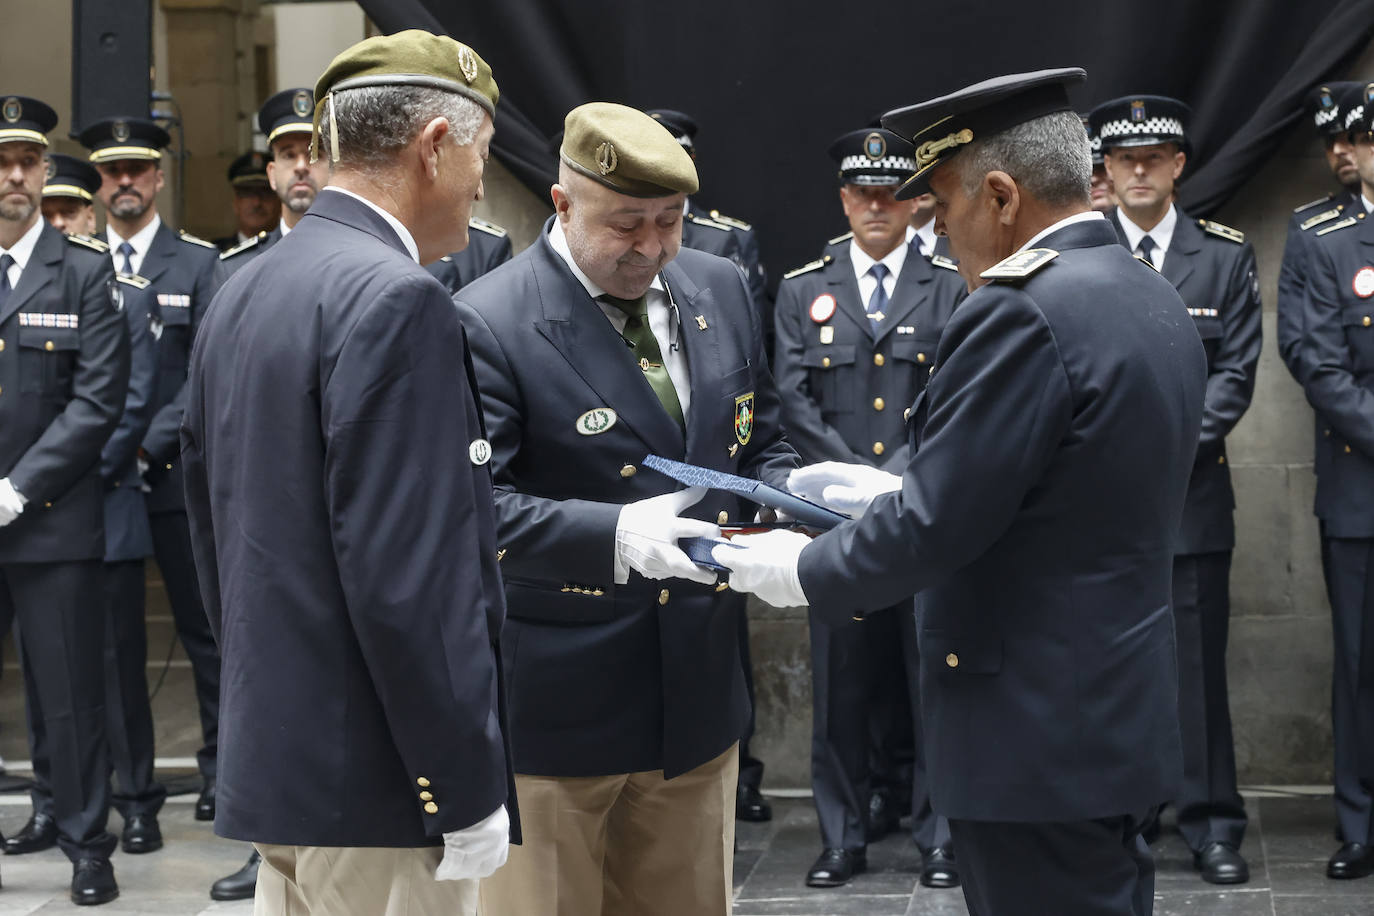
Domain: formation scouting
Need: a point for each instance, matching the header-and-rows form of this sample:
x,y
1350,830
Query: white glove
x,y
847,488
11,502
476,851
647,533
142,474
767,566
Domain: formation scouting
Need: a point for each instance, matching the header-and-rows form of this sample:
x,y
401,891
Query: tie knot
x,y
1147,245
5,262
125,249
633,308
879,271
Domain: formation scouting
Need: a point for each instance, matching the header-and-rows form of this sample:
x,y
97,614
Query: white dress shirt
x,y
23,250
1162,234
663,319
927,234
142,240
284,228
407,239
893,261
1368,204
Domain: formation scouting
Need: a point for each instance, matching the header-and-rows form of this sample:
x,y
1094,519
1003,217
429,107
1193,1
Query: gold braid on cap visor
x,y
928,152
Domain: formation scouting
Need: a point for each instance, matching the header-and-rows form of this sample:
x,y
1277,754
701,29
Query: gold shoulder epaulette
x,y
1221,231
195,240
841,238
1020,265
1313,203
730,221
1147,262
807,268
939,260
243,246
86,241
703,221
482,225
1324,217
133,280
1348,221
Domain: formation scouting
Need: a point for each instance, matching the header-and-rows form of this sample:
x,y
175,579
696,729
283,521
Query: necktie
x,y
1147,250
5,262
917,246
127,251
878,301
645,348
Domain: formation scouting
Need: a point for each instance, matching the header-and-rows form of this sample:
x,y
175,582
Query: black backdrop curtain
x,y
772,82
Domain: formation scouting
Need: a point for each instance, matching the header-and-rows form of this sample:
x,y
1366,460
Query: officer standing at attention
x,y
1213,269
256,207
370,660
183,270
1328,105
600,344
67,197
1337,353
285,119
1037,518
64,372
856,337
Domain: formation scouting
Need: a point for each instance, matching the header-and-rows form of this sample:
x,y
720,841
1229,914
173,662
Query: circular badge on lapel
x,y
479,451
1363,284
596,420
822,308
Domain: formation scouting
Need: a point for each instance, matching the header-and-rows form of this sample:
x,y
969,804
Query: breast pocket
x,y
914,358
48,360
174,347
830,370
1359,337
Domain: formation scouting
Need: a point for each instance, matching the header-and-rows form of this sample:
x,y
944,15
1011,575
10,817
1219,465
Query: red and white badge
x,y
1363,284
822,308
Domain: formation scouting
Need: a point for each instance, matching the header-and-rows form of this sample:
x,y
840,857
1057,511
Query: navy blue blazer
x,y
345,539
64,371
1305,222
610,678
1037,519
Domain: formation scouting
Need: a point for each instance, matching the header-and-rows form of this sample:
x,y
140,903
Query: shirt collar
x,y
893,260
1084,217
1162,234
1368,204
142,240
402,232
927,234
23,249
283,228
559,243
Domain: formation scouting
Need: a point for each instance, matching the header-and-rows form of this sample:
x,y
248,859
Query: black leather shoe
x,y
1220,864
1353,860
750,805
883,817
241,884
205,805
93,882
141,834
835,867
38,834
938,868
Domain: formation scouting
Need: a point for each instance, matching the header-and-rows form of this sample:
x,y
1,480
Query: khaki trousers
x,y
357,881
629,845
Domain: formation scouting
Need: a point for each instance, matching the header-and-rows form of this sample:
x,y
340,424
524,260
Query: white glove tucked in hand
x,y
476,851
11,502
847,488
647,533
767,566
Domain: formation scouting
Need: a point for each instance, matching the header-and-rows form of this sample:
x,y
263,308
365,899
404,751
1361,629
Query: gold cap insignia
x,y
875,147
467,62
606,159
930,151
302,104
120,131
12,110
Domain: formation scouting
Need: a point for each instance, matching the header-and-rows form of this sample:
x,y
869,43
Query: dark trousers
x,y
1209,805
129,715
61,613
750,767
846,679
1350,587
172,545
1076,868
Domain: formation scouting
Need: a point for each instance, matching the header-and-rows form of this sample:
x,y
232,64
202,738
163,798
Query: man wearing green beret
x,y
602,343
341,511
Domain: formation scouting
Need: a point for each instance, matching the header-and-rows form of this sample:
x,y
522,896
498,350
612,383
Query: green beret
x,y
410,58
627,151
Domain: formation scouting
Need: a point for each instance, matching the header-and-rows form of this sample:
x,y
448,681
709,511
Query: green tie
x,y
645,348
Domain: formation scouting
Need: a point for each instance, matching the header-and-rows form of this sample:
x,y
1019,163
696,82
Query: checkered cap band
x,y
1355,114
885,164
1150,127
1326,116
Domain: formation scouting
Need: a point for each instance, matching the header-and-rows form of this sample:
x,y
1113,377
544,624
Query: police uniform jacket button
x,y
48,345
825,362
879,404
663,597
628,470
906,415
1365,323
952,660
431,808
422,783
2,346
878,359
169,465
1221,459
426,796
723,517
920,357
1347,450
722,586
877,448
